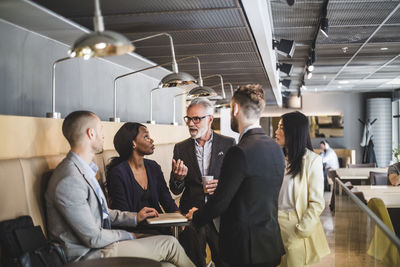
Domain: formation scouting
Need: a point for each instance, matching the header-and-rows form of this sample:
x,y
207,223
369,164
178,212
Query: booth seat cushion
x,y
23,183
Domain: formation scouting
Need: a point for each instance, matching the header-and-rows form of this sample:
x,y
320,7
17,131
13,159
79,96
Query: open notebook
x,y
167,218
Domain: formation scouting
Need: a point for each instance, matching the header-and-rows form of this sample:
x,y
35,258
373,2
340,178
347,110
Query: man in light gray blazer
x,y
77,213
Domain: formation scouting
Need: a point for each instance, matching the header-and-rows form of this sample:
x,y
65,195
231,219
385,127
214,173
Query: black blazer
x,y
193,196
247,201
124,190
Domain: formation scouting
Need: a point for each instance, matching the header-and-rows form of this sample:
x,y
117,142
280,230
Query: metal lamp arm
x,y
174,104
230,87
98,21
134,72
53,84
222,83
171,41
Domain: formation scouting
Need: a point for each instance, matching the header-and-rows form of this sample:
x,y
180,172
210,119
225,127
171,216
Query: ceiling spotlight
x,y
310,66
284,47
285,68
309,74
324,26
303,86
384,48
290,2
286,94
313,56
298,92
285,82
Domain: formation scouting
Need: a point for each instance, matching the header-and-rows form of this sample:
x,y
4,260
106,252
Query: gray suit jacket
x,y
74,213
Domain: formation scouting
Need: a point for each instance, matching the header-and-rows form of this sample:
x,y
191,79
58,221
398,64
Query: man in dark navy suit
x,y
247,194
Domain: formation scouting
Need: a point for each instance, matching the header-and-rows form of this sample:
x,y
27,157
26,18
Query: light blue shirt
x,y
92,169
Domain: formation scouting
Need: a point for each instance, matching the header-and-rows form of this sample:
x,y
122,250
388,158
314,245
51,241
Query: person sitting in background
x,y
301,199
77,213
134,182
394,174
329,160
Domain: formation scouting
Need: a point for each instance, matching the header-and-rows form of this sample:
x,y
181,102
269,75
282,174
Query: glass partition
x,y
361,238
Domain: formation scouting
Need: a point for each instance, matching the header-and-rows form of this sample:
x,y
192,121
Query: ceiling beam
x,y
260,22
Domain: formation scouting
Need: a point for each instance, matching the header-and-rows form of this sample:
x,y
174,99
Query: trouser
x,y
294,246
253,265
165,249
194,242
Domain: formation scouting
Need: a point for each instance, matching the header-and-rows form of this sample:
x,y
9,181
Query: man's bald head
x,y
75,125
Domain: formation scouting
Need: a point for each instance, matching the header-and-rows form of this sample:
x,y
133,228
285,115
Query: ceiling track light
x,y
284,47
303,86
298,92
286,83
324,26
285,68
323,23
290,2
309,74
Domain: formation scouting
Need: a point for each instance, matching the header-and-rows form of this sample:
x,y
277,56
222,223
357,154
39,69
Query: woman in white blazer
x,y
301,199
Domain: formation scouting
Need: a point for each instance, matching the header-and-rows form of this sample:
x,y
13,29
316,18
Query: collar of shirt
x,y
207,142
248,128
91,169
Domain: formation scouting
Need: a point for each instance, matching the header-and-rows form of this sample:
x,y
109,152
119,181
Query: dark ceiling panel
x,y
342,13
195,36
214,30
84,8
301,14
194,49
145,22
351,24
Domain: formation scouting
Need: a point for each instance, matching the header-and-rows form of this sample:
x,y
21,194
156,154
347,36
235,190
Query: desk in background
x,y
360,175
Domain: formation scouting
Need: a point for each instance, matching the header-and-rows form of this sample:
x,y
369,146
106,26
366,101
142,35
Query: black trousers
x,y
194,240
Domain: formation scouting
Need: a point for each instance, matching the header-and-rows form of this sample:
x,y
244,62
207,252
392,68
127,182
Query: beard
x,y
197,133
234,124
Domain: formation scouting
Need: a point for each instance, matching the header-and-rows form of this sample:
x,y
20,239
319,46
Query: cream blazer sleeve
x,y
310,200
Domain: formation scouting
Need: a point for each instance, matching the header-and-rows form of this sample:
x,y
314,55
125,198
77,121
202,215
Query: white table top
x,y
389,194
357,173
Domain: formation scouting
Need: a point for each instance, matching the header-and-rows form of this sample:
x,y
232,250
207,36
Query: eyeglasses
x,y
196,120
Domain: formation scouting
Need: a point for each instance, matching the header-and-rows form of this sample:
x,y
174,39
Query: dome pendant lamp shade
x,y
202,91
100,43
177,79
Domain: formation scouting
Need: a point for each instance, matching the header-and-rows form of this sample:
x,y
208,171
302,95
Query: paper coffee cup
x,y
204,180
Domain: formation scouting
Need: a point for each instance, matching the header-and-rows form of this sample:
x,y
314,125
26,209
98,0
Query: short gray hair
x,y
207,104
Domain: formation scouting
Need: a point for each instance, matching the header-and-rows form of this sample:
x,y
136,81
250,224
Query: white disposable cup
x,y
205,180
